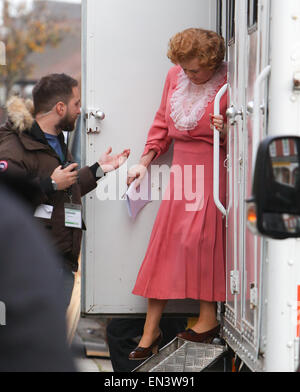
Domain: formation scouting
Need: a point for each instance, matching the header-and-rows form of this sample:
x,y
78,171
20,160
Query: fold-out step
x,y
182,356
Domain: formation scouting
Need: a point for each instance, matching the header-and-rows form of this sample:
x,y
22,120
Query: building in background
x,y
65,57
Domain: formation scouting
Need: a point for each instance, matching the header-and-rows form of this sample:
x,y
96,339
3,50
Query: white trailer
x,y
124,67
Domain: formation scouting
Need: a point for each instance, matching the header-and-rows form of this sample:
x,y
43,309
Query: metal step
x,y
182,356
91,331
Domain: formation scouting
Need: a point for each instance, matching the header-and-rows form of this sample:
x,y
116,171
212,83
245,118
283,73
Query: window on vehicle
x,y
286,147
273,150
219,17
230,21
252,15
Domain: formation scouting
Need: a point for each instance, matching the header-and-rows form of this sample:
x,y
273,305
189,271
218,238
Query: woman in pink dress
x,y
185,256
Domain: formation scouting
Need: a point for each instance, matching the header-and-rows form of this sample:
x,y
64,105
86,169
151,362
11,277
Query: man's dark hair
x,y
52,89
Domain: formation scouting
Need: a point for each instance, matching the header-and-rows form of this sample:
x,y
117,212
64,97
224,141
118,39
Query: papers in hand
x,y
138,195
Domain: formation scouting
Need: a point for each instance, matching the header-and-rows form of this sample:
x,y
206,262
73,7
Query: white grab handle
x,y
256,113
217,153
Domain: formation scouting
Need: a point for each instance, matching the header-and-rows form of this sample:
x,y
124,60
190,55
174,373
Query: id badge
x,y
73,216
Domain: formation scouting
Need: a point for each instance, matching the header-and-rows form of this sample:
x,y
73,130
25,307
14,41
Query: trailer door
x,y
248,56
124,68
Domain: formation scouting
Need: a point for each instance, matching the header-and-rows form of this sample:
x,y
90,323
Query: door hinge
x,y
253,296
234,282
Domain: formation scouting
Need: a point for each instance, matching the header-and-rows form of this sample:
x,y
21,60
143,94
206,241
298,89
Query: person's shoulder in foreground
x,y
33,338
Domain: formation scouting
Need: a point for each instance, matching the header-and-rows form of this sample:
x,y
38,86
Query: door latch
x,y
250,108
94,116
232,113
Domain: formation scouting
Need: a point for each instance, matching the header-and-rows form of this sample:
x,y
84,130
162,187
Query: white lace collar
x,y
189,101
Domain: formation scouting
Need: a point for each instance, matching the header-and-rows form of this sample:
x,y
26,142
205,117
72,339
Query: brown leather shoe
x,y
142,353
204,337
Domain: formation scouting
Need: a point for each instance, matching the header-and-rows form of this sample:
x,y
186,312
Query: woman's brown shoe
x,y
204,337
143,353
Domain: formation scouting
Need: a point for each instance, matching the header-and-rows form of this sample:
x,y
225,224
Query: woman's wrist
x,y
148,158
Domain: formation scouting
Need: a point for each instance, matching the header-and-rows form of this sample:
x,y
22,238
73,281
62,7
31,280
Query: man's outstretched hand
x,y
112,162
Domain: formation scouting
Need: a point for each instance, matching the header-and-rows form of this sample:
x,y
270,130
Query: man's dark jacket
x,y
25,149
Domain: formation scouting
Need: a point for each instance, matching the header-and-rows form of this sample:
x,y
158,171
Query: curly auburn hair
x,y
206,45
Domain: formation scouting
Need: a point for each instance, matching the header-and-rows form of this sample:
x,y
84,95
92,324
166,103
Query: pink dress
x,y
186,253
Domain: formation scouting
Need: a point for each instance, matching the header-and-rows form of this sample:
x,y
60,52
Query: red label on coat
x,y
3,166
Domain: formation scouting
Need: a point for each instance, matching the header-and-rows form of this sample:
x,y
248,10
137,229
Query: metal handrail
x,y
217,153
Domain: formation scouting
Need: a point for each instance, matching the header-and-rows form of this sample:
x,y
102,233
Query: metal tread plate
x,y
182,356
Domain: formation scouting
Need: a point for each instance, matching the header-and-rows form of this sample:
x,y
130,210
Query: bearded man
x,y
32,144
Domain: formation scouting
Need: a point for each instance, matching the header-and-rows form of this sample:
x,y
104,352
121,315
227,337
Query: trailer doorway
x,y
124,68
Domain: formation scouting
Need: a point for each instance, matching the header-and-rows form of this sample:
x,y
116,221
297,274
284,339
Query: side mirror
x,y
276,188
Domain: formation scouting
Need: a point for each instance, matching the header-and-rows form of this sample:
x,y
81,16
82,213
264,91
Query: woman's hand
x,y
138,171
217,121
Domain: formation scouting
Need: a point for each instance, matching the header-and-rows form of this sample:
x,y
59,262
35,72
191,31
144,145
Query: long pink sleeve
x,y
158,139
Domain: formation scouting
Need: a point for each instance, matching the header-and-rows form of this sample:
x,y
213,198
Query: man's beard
x,y
66,124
